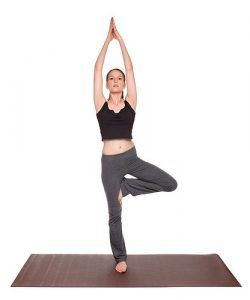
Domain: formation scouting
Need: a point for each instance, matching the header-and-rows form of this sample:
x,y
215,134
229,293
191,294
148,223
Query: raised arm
x,y
131,85
98,81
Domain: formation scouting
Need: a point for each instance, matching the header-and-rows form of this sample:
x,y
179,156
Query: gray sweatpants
x,y
150,179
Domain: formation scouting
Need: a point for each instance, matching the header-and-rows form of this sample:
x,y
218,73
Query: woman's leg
x,y
150,179
111,178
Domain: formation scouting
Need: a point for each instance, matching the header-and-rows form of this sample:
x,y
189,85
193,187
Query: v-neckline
x,y
119,110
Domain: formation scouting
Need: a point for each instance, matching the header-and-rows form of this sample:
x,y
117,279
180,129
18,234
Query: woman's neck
x,y
115,100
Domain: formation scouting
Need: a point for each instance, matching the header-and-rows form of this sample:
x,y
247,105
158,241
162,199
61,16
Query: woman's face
x,y
115,82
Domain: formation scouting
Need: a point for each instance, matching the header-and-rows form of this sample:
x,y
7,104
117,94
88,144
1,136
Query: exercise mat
x,y
144,270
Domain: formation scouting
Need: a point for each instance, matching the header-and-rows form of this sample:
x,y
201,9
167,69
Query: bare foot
x,y
121,267
120,197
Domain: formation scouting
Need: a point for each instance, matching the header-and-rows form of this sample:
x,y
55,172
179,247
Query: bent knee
x,y
170,186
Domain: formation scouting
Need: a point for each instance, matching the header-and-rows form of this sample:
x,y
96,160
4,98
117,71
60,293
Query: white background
x,y
191,63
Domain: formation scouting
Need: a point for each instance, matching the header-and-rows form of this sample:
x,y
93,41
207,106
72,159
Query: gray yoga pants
x,y
149,179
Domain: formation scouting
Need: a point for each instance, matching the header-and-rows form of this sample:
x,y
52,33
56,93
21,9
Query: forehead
x,y
115,73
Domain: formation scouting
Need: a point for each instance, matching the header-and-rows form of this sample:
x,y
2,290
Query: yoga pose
x,y
116,117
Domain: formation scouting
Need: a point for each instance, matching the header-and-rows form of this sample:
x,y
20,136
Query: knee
x,y
174,185
170,186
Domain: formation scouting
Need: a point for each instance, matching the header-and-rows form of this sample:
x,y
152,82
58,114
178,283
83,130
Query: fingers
x,y
112,22
113,29
114,26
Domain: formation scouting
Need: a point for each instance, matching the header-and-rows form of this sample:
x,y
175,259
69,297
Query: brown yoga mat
x,y
144,270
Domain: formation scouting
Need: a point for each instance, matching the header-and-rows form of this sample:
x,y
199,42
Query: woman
x,y
119,157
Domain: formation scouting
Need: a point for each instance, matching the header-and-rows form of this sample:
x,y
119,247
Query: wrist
x,y
107,41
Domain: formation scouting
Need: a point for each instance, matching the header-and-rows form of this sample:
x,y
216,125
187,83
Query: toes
x,y
118,270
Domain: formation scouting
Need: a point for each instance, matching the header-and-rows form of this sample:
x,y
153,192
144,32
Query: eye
x,y
120,78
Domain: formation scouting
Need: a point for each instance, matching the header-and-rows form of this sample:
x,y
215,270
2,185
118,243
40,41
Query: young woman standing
x,y
116,117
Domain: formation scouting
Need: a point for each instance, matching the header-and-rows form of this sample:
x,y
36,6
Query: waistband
x,y
129,152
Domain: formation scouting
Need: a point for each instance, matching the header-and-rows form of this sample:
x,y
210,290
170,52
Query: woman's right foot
x,y
120,197
121,266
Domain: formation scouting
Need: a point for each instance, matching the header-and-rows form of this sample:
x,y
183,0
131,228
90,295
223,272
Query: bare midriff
x,y
116,146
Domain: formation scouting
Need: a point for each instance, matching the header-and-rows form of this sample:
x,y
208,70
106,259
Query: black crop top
x,y
116,125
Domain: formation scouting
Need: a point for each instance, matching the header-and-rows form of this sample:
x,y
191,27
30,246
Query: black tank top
x,y
116,125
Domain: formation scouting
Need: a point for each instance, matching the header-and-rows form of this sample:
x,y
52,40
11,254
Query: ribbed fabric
x,y
116,125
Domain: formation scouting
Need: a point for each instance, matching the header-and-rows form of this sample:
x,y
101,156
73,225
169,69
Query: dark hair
x,y
122,75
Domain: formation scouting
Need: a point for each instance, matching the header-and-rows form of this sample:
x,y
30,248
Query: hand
x,y
110,33
116,34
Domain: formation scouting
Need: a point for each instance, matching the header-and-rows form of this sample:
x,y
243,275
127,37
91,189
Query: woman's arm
x,y
100,59
131,85
98,81
126,58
